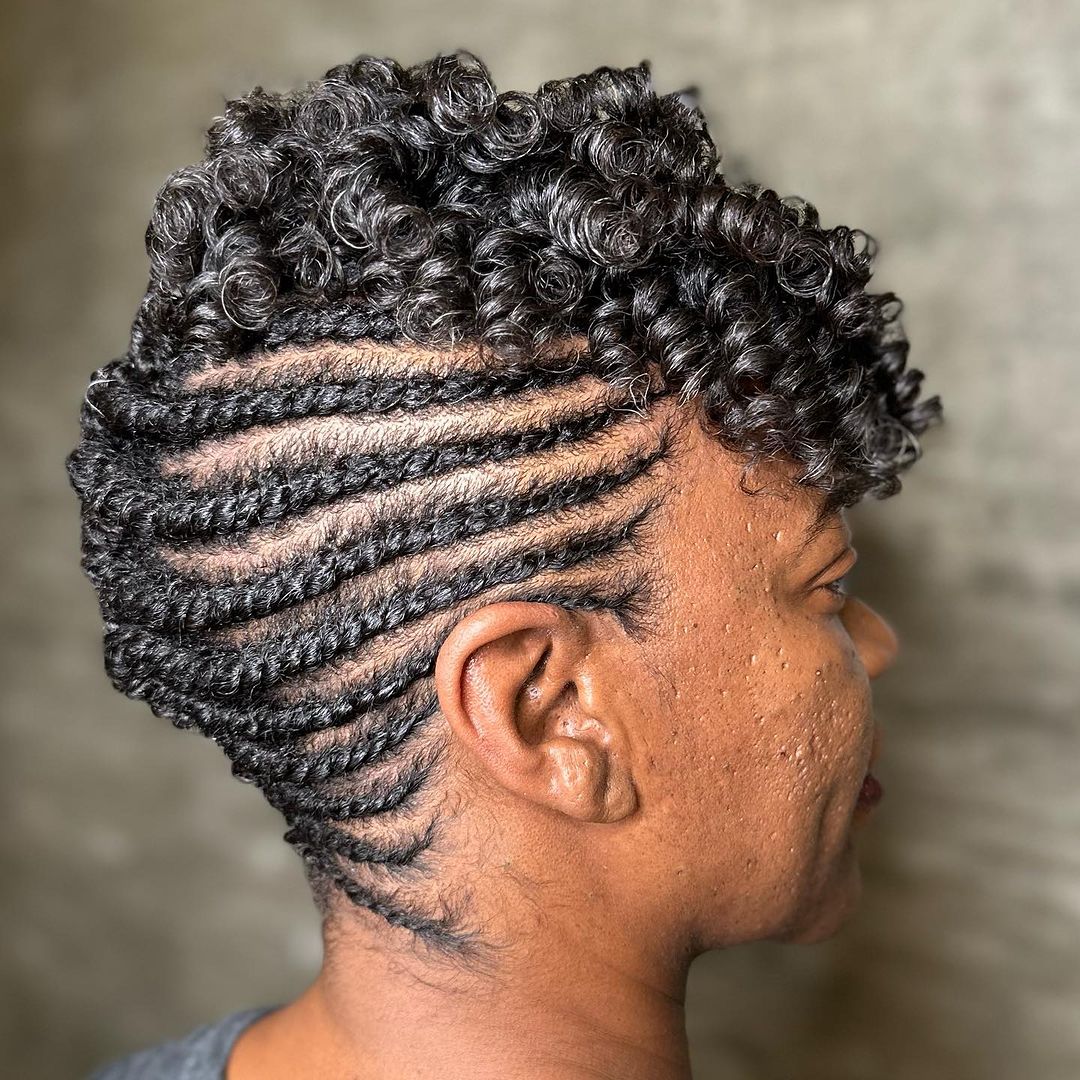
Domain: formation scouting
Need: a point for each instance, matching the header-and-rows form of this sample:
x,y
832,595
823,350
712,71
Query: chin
x,y
831,913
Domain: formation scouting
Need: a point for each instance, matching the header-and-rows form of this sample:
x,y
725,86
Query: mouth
x,y
871,792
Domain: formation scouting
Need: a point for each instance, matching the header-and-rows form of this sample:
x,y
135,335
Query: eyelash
x,y
837,587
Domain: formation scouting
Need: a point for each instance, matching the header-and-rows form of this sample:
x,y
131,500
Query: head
x,y
476,477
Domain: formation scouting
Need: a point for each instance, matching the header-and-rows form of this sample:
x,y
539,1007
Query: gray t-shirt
x,y
199,1055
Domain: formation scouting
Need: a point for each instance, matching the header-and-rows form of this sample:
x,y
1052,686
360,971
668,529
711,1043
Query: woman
x,y
476,478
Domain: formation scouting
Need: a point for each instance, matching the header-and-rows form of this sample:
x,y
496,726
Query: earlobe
x,y
510,679
589,785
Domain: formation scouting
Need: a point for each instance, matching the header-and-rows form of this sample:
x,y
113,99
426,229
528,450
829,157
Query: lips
x,y
871,791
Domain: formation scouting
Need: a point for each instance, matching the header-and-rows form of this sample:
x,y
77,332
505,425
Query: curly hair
x,y
405,349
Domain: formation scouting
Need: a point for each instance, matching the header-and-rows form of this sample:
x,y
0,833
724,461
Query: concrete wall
x,y
145,891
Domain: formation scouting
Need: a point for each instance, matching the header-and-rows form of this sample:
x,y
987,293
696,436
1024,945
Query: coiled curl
x,y
465,213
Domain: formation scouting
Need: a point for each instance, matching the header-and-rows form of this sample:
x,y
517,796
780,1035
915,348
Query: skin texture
x,y
621,808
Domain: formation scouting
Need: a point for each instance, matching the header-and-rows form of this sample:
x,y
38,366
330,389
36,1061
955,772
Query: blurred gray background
x,y
145,891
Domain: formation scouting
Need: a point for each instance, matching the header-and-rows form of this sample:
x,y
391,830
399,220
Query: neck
x,y
576,1003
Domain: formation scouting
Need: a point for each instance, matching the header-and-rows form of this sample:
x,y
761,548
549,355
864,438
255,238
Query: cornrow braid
x,y
411,346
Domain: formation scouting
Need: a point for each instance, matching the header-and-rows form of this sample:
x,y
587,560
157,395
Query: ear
x,y
515,684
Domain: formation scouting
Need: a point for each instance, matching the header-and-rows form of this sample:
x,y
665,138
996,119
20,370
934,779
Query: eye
x,y
843,564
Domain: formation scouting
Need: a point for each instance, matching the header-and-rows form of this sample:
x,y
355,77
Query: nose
x,y
874,639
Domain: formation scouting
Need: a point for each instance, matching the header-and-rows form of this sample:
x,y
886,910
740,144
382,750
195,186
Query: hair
x,y
403,352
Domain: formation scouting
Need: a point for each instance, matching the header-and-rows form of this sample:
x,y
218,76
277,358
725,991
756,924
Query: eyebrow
x,y
826,512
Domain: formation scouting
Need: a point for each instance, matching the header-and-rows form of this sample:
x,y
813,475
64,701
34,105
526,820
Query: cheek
x,y
810,702
760,741
777,734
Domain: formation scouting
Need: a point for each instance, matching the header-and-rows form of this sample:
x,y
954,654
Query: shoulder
x,y
199,1055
